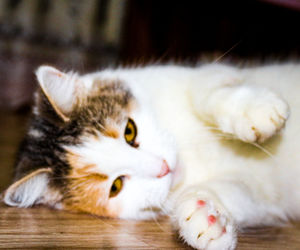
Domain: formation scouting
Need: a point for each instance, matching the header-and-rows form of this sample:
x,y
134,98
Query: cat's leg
x,y
249,112
208,216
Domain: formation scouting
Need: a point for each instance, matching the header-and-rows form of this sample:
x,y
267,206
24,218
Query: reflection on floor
x,y
41,227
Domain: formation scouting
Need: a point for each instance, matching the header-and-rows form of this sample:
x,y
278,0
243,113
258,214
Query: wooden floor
x,y
41,227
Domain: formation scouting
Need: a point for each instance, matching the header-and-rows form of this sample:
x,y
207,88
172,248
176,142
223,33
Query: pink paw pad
x,y
201,203
211,219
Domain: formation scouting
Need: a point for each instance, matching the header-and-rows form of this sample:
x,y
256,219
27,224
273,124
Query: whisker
x,y
263,149
155,218
224,136
220,57
215,138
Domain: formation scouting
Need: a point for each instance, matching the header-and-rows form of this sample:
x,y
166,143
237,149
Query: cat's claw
x,y
204,227
258,118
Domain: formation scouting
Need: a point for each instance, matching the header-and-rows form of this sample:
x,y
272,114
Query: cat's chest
x,y
203,150
198,145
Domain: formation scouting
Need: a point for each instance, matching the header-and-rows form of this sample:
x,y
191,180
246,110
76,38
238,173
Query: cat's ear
x,y
31,189
61,89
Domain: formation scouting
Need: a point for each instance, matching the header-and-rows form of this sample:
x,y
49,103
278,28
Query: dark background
x,y
187,29
149,31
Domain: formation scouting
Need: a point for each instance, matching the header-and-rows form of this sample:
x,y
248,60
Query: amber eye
x,y
116,187
130,133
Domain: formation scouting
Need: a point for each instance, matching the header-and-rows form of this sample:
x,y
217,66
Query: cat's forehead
x,y
106,102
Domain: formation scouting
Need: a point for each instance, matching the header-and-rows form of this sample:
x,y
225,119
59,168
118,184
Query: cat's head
x,y
92,146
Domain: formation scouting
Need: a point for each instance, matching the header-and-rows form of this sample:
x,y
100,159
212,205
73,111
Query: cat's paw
x,y
203,226
257,116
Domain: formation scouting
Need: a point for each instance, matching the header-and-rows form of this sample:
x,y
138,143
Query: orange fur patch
x,y
87,191
111,132
88,194
82,170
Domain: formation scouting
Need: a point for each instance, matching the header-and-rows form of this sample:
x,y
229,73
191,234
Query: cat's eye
x,y
116,187
131,133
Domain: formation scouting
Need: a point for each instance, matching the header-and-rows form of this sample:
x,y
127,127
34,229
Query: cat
x,y
214,146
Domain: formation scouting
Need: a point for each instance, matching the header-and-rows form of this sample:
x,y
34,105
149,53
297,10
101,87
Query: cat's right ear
x,y
60,89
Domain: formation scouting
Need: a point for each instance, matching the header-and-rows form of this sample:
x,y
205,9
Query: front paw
x,y
203,226
256,116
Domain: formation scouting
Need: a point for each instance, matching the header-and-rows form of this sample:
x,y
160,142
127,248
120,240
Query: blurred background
x,y
87,35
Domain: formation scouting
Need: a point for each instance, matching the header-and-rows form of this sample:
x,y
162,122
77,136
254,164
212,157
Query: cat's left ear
x,y
31,189
61,89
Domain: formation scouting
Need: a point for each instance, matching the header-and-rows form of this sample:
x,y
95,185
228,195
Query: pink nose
x,y
164,169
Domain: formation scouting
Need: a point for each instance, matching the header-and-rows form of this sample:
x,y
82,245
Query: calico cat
x,y
205,145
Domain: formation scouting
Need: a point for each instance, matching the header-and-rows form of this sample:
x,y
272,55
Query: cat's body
x,y
199,134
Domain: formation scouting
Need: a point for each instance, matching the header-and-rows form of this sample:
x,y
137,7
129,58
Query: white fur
x,y
35,133
250,186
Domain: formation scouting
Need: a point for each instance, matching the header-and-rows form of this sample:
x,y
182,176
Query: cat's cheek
x,y
114,208
92,200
